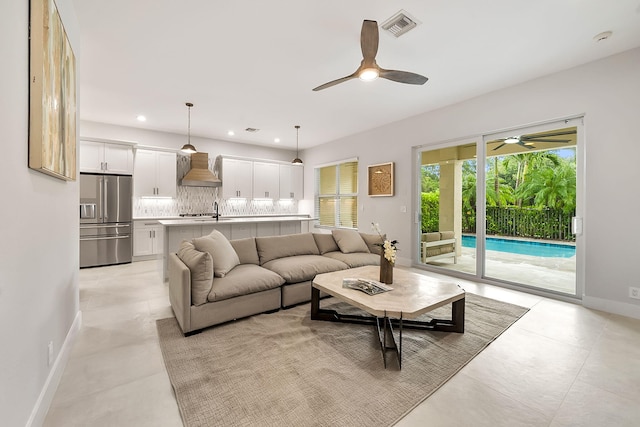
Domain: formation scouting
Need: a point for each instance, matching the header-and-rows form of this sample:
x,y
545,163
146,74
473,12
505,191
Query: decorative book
x,y
369,287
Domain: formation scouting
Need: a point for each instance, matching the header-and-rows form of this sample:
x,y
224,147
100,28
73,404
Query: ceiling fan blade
x,y
550,134
403,77
500,146
563,141
369,38
334,82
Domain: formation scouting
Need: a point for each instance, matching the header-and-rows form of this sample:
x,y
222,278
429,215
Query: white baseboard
x,y
615,307
41,407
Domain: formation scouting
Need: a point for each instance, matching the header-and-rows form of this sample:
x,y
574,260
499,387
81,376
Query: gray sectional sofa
x,y
213,280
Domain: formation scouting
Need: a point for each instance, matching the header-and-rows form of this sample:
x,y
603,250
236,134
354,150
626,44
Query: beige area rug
x,y
283,369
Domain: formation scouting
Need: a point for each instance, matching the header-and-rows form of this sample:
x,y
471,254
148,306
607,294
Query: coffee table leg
x,y
457,315
315,303
400,351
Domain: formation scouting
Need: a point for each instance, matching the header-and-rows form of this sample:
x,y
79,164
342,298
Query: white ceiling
x,y
252,63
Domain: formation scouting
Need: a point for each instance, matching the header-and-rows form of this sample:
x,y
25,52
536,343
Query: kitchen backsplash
x,y
194,200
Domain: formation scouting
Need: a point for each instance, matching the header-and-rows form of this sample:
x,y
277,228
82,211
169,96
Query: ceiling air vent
x,y
399,23
252,130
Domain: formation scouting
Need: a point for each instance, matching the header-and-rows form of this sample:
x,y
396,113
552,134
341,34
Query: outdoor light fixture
x,y
512,140
188,148
297,160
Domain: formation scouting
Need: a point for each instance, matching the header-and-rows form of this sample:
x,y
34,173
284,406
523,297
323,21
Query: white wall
x,y
170,140
39,245
606,91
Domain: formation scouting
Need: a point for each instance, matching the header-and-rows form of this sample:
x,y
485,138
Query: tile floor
x,y
560,365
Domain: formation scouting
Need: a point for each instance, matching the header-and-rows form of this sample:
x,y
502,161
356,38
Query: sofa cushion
x,y
274,247
246,250
244,279
446,235
357,259
325,242
372,241
431,237
301,268
349,241
201,266
223,255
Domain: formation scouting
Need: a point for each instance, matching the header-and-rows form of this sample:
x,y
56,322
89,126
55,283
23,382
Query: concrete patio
x,y
547,273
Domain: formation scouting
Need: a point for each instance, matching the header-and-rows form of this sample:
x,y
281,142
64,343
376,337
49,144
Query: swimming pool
x,y
523,247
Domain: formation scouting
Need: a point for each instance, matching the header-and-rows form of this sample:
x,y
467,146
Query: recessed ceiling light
x,y
602,36
276,140
141,118
231,133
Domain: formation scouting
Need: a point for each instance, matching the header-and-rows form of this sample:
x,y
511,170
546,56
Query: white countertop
x,y
231,220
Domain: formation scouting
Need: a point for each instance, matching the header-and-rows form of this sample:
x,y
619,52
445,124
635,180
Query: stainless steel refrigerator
x,y
105,219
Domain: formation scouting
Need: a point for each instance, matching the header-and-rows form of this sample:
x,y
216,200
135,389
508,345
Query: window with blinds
x,y
337,194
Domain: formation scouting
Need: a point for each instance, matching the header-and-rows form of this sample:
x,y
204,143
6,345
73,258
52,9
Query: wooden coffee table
x,y
412,296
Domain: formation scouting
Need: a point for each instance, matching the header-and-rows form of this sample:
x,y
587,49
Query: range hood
x,y
200,175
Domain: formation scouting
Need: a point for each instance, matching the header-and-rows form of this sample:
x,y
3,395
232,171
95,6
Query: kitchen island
x,y
177,230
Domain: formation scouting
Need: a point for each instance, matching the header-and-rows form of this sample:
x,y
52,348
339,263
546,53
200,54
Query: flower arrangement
x,y
388,246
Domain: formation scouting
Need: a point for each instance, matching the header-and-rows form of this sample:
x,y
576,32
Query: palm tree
x,y
524,162
499,193
553,188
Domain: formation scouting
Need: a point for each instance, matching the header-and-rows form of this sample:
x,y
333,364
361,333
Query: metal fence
x,y
551,224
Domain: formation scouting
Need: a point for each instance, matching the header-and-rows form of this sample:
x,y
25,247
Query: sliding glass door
x,y
506,209
530,203
448,206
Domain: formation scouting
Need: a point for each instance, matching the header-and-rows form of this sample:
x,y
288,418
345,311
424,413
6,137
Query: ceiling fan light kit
x,y
369,69
368,74
188,148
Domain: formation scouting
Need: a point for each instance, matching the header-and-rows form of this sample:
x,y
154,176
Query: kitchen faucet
x,y
215,208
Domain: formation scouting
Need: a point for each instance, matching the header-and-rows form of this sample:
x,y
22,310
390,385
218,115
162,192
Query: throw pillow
x,y
325,242
349,241
223,254
246,250
274,247
373,241
201,266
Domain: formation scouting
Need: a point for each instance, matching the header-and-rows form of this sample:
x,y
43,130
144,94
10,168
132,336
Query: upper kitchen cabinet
x,y
106,157
291,182
237,178
155,174
266,177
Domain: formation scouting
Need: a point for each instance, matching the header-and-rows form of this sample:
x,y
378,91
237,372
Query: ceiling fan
x,y
369,69
528,140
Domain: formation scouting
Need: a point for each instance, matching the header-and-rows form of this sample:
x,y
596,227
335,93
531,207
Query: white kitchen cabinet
x,y
291,182
266,180
148,238
237,178
105,157
155,174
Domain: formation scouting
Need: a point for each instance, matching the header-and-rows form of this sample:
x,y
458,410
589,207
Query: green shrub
x,y
430,211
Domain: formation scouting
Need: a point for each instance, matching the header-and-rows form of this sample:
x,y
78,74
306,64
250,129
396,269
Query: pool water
x,y
523,247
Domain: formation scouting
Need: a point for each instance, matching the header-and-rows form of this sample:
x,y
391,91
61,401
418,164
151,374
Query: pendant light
x,y
297,160
188,148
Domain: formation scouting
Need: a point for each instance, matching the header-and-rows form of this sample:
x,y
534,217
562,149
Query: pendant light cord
x,y
189,124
